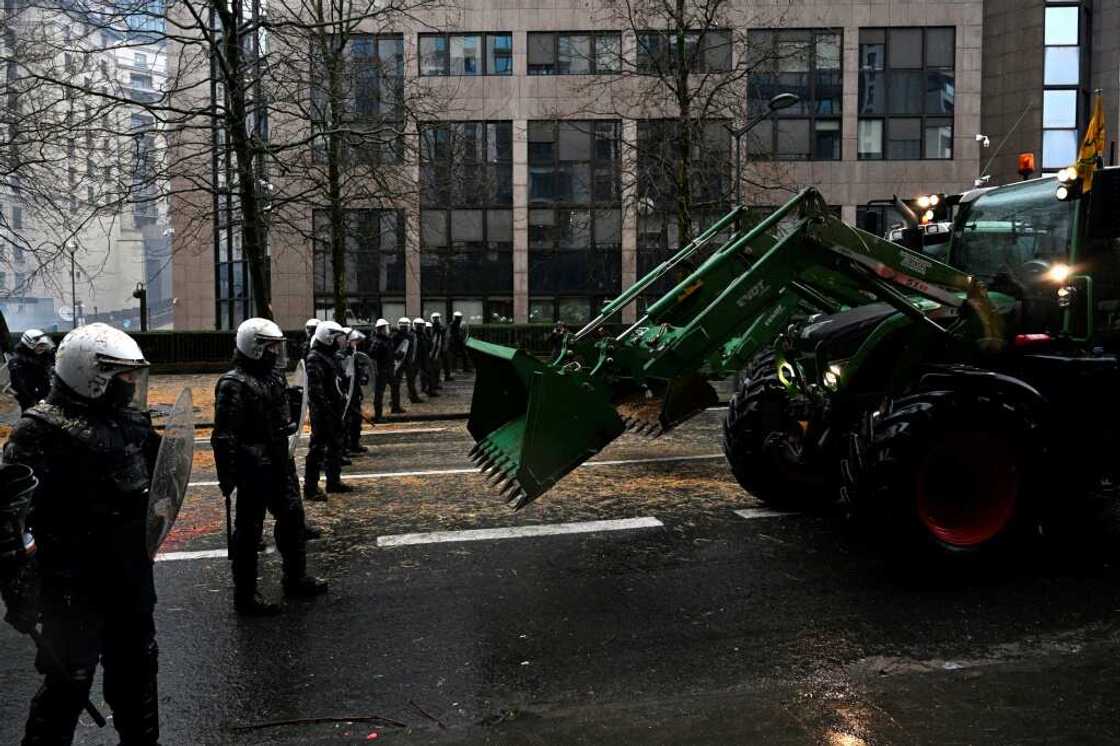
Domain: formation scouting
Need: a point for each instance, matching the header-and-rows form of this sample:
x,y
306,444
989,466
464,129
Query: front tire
x,y
942,474
765,445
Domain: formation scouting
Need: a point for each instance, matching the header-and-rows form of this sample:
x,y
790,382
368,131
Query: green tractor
x,y
937,401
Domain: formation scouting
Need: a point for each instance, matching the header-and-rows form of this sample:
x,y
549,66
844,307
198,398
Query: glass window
x,y
541,311
574,311
499,54
1062,26
704,52
471,310
573,54
907,78
806,63
433,55
466,55
871,139
1059,109
1063,66
608,52
542,54
1059,148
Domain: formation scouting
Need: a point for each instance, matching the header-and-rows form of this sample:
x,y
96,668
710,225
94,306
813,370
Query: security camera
x,y
984,140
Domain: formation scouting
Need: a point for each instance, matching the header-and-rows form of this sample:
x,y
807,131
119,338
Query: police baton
x,y
60,671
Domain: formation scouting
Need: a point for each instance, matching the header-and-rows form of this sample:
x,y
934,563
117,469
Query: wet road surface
x,y
702,625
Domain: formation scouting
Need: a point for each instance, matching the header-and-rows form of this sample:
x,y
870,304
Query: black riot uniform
x,y
30,374
326,404
94,462
424,359
418,361
252,422
381,352
353,440
402,347
439,349
457,340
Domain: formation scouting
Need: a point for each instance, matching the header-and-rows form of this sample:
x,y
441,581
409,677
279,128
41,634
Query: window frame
x,y
484,54
813,117
593,57
356,296
923,116
1079,89
648,65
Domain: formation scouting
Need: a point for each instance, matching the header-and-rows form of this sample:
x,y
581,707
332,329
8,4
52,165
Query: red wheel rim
x,y
968,488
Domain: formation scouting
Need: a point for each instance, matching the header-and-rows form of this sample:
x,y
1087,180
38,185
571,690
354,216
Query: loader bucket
x,y
665,404
532,422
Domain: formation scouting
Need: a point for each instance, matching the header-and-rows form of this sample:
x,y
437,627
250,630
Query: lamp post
x,y
774,105
73,288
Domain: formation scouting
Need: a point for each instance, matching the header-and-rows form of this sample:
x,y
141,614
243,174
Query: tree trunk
x,y
244,149
683,171
334,180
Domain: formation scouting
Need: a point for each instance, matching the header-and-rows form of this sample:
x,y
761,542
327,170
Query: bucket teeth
x,y
519,500
474,451
497,478
512,488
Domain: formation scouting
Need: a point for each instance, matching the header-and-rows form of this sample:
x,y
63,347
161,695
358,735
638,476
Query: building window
x,y
140,60
806,63
375,264
570,53
370,110
1063,75
140,82
466,54
907,93
466,219
707,51
575,215
17,220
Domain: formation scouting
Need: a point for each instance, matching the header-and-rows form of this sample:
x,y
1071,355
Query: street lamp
x,y
773,106
73,287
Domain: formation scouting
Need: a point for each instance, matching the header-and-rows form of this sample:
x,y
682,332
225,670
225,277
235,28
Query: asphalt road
x,y
703,626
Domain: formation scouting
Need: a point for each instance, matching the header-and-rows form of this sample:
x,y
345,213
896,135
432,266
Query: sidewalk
x,y
454,401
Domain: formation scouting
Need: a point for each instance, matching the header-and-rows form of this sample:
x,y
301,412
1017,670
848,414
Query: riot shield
x,y
350,371
363,361
403,349
294,438
172,472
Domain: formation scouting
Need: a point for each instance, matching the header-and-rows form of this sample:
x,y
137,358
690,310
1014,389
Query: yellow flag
x,y
1092,147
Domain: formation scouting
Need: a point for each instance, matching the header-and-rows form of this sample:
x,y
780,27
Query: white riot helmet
x,y
309,327
418,321
457,315
355,336
328,333
381,324
427,325
403,322
37,341
436,316
91,356
256,336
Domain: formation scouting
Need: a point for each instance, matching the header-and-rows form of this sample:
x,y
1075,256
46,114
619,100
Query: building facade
x,y
545,176
82,222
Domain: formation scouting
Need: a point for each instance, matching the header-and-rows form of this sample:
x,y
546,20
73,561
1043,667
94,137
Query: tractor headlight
x,y
1059,273
832,376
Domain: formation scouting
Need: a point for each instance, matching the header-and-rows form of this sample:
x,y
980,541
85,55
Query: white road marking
x,y
752,513
413,431
517,532
201,554
446,472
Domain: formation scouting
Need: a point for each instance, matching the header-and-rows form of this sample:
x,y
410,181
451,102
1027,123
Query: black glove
x,y
20,592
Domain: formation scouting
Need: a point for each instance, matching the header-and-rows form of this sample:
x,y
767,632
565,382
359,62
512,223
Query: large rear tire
x,y
944,474
765,445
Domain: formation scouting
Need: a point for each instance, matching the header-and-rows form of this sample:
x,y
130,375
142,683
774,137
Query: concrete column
x,y
629,214
520,221
412,243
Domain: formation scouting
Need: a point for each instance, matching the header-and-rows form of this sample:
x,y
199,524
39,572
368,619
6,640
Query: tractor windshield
x,y
1014,231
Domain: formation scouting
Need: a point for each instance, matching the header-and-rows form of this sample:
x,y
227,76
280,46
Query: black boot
x,y
312,532
339,488
345,461
255,606
358,448
314,496
306,586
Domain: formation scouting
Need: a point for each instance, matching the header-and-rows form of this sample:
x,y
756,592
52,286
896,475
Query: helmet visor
x,y
138,379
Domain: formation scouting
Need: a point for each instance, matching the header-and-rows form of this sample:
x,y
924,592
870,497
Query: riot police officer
x,y
326,403
439,347
402,347
381,352
457,338
30,368
361,372
431,362
422,349
309,328
252,422
92,449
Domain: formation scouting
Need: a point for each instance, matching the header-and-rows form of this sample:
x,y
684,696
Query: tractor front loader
x,y
534,422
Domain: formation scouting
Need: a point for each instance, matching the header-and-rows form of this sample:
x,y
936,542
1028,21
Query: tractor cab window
x,y
1013,233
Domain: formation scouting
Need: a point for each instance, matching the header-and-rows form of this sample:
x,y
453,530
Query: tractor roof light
x,y
924,202
1068,175
1063,193
927,216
